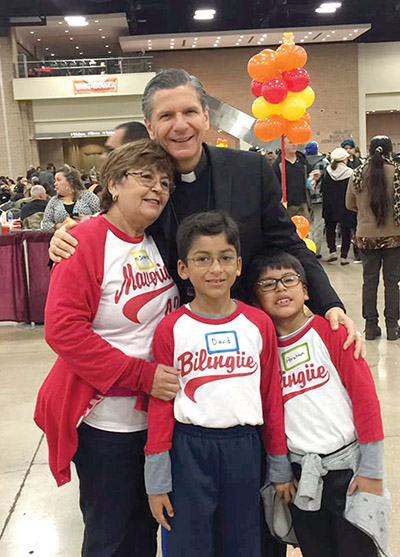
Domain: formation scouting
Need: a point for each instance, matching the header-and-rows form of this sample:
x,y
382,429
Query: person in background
x,y
317,161
270,155
333,186
125,133
353,161
36,204
31,172
18,192
297,170
374,193
46,177
72,200
357,153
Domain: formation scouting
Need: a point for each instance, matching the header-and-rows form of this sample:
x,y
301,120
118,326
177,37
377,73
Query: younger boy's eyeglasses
x,y
207,261
267,285
148,180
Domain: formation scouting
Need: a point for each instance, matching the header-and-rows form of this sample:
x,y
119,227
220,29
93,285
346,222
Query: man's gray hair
x,y
169,79
37,191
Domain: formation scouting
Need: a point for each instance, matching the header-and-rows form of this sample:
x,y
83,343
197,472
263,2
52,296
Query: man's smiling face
x,y
179,123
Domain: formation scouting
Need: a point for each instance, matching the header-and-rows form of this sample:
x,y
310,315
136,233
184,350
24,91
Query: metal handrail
x,y
83,66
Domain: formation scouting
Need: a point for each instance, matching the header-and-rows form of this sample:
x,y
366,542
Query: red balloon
x,y
256,88
274,90
290,56
298,131
297,79
262,66
270,128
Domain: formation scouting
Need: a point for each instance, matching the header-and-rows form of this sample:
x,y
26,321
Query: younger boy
x,y
226,352
332,419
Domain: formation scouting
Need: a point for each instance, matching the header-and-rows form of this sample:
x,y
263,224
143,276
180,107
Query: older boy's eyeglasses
x,y
267,285
207,261
148,180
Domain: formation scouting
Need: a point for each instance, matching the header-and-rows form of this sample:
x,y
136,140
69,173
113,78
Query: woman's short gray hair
x,y
169,79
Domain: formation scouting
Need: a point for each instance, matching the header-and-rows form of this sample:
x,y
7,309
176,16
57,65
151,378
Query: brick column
x,y
18,149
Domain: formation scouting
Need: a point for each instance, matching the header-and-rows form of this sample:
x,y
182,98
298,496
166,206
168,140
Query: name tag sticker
x,y
142,260
224,341
296,356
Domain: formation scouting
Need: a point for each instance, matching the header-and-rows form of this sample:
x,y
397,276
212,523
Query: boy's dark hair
x,y
210,223
273,260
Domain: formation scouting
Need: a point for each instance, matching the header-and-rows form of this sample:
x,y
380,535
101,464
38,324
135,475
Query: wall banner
x,y
95,85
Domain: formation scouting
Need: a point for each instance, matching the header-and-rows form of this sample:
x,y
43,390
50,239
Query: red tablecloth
x,y
23,290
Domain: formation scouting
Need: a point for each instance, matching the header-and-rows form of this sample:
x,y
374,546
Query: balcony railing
x,y
84,66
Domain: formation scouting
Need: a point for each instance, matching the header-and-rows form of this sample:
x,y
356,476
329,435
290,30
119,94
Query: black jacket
x,y
245,187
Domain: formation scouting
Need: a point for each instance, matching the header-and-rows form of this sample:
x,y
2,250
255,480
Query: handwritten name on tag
x,y
224,341
295,356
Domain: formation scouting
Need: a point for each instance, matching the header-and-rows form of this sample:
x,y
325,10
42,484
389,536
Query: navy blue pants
x,y
117,518
216,481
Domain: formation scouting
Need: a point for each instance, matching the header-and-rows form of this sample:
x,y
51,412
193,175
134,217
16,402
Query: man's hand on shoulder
x,y
62,244
337,316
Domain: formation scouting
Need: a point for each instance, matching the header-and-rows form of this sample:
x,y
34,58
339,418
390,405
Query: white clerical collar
x,y
189,177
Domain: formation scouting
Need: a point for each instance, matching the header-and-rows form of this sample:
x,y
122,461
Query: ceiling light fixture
x,y
52,54
77,47
100,29
355,30
66,31
328,7
302,40
204,14
47,48
149,47
60,23
76,20
71,38
109,52
103,37
81,53
107,45
32,32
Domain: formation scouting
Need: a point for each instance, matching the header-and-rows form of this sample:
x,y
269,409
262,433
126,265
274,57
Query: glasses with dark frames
x,y
148,180
207,260
269,284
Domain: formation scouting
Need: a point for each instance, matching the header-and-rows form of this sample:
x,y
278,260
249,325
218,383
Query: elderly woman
x,y
374,193
72,200
102,309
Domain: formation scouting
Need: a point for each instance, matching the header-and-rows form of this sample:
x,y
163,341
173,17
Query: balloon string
x,y
283,173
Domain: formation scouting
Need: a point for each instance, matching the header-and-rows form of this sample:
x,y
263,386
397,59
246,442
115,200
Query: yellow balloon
x,y
310,244
308,96
293,108
261,108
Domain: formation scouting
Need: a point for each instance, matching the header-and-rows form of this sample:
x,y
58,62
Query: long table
x,y
24,275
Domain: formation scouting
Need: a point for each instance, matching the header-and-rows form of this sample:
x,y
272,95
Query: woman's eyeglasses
x,y
267,285
148,180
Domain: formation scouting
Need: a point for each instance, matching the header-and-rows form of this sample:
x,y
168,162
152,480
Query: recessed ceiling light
x,y
345,38
333,31
39,40
324,39
103,37
302,40
107,45
100,29
350,34
241,37
215,44
204,14
193,46
328,7
47,48
172,46
71,38
237,44
109,52
219,38
328,36
76,20
32,32
60,23
52,54
96,21
355,30
81,53
77,47
66,31
149,47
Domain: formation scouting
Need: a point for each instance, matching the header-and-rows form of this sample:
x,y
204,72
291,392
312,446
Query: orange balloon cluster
x,y
221,142
302,225
281,86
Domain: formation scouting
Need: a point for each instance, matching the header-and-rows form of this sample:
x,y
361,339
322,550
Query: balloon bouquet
x,y
221,142
281,85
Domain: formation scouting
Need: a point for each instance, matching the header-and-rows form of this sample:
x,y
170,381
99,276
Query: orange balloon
x,y
261,66
298,131
290,56
270,128
306,117
302,225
